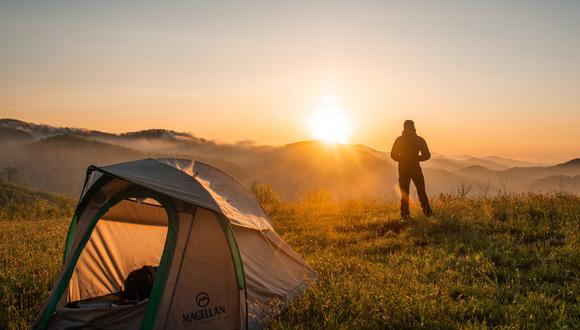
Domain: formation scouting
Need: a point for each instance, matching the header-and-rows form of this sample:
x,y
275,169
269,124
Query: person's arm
x,y
395,151
425,154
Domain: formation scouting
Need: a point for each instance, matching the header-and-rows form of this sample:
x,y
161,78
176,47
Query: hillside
x,y
43,131
443,163
155,141
487,163
508,162
18,202
10,135
519,179
556,183
58,163
573,164
442,181
569,168
479,173
344,170
55,159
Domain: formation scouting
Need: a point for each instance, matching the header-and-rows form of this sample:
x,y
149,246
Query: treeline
x,y
18,202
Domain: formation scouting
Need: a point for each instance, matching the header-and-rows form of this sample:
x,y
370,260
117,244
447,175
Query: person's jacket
x,y
409,149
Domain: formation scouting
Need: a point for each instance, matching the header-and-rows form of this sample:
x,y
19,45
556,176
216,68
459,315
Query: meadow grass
x,y
511,261
505,262
30,260
18,202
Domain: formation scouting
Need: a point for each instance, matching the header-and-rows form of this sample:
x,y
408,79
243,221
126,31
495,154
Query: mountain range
x,y
55,159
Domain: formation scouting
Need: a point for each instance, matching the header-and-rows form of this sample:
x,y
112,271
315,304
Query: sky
x,y
477,77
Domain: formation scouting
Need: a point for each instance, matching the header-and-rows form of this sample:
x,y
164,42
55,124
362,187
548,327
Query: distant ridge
x,y
14,135
556,183
571,163
508,162
162,134
55,159
73,141
159,141
19,202
42,131
57,163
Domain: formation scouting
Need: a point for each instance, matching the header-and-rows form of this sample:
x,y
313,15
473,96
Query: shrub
x,y
265,195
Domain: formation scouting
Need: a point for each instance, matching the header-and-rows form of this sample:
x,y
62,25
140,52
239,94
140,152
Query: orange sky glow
x,y
479,79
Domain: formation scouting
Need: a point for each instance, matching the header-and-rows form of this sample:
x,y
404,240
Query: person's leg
x,y
404,182
419,182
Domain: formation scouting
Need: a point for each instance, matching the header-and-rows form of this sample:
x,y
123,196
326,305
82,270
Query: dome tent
x,y
220,262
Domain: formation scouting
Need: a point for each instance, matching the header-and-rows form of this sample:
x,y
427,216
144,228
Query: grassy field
x,y
18,202
501,262
30,260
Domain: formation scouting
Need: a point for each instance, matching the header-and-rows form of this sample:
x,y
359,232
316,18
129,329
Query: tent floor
x,y
109,300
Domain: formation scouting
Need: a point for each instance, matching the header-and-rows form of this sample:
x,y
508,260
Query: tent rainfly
x,y
219,263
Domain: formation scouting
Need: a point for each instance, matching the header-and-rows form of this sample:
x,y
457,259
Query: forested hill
x,y
19,202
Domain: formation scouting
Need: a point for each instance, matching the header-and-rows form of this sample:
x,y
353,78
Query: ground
x,y
511,261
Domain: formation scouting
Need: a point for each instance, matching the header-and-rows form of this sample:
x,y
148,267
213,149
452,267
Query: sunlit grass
x,y
509,262
30,260
505,262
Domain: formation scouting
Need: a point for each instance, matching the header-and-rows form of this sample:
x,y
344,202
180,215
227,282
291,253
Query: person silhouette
x,y
408,150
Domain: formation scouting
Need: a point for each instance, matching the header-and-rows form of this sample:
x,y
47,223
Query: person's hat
x,y
409,124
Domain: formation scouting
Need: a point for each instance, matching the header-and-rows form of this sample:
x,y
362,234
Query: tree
x,y
11,175
265,194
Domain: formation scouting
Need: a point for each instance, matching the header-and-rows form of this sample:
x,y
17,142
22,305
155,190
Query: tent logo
x,y
202,299
205,313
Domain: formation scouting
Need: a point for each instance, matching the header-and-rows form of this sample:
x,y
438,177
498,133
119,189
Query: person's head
x,y
409,125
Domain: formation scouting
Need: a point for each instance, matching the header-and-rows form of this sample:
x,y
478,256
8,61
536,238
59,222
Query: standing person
x,y
408,150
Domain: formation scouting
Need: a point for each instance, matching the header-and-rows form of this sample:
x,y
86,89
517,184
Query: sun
x,y
330,125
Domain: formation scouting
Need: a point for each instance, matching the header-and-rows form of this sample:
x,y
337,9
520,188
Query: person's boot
x,y
427,211
405,214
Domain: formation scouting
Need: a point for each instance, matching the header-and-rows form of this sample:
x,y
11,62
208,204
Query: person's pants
x,y
405,177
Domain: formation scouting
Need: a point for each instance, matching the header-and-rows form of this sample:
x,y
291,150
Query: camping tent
x,y
220,262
